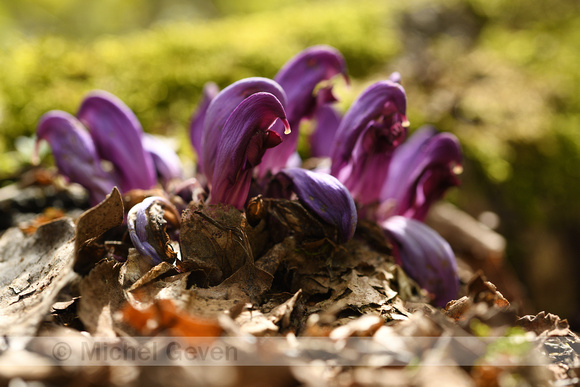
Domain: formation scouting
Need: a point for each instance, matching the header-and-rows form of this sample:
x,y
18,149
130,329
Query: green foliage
x,y
502,76
160,72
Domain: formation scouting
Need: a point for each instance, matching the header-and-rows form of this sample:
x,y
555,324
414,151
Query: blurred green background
x,y
500,74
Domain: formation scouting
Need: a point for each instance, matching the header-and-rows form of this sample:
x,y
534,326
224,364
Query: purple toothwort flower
x,y
147,223
327,123
74,153
114,134
365,140
117,135
421,170
245,137
425,256
324,195
165,160
210,91
220,109
300,78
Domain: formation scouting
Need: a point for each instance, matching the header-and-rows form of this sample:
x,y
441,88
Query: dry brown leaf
x,y
254,322
91,225
550,323
270,261
363,326
169,288
479,291
48,215
360,294
289,217
207,307
419,325
247,283
164,318
281,313
101,297
213,240
260,323
134,268
154,273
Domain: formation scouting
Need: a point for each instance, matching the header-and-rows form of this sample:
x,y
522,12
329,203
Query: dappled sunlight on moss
x,y
160,72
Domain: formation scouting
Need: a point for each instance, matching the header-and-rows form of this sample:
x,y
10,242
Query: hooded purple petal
x,y
74,153
425,256
301,74
300,77
244,139
421,170
324,195
146,225
369,132
220,109
210,90
118,135
327,122
166,161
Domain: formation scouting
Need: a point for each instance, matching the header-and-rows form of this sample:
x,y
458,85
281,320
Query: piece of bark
x,y
33,270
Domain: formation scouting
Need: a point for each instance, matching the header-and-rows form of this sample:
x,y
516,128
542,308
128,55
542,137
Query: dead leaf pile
x,y
274,286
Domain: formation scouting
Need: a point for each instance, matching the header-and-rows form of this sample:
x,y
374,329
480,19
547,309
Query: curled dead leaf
x,y
543,322
91,225
289,217
214,242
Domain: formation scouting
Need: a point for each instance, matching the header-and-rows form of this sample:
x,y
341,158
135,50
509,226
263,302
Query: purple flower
x,y
114,134
327,122
324,195
220,109
147,223
299,78
165,160
425,256
74,153
117,135
210,90
244,139
366,138
421,170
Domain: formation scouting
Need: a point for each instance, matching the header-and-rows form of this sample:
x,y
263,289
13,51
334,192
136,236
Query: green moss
x,y
160,72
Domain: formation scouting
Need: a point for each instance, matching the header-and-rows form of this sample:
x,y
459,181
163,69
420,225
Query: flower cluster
x,y
246,136
114,134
